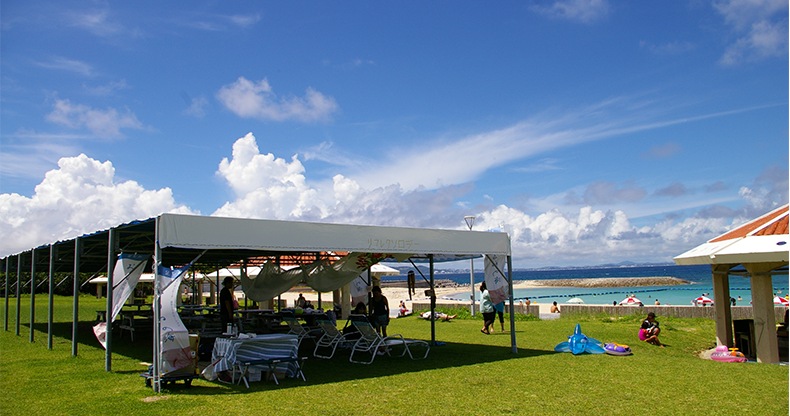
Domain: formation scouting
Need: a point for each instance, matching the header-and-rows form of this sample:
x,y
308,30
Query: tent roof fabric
x,y
761,240
198,232
231,240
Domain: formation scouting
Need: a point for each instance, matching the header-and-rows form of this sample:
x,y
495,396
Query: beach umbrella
x,y
575,300
631,300
703,300
781,301
382,270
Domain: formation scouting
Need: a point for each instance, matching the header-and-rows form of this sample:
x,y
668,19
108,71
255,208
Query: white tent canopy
x,y
365,245
198,232
178,241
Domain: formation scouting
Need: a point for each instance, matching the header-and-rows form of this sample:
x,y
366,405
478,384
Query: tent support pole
x,y
157,381
51,309
75,313
32,293
7,270
513,347
433,303
111,240
18,285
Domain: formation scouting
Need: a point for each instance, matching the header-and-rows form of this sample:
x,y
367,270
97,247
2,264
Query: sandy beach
x,y
395,294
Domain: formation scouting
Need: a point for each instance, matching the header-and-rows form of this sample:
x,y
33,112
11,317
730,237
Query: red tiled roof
x,y
773,223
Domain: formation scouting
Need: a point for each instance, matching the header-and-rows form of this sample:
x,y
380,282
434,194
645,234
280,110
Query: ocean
x,y
740,287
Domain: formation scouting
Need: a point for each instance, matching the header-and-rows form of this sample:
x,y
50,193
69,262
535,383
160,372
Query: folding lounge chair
x,y
332,338
297,329
371,342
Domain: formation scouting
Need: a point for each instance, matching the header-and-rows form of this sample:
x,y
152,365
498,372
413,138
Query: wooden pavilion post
x,y
721,303
767,345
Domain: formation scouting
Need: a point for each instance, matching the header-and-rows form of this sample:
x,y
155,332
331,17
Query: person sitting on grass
x,y
650,330
402,311
437,316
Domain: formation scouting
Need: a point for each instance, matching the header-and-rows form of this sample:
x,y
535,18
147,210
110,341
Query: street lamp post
x,y
470,221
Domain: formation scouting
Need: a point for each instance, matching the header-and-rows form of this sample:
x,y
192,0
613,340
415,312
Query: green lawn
x,y
471,374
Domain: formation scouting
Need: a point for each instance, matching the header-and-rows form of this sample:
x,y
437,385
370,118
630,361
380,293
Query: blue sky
x,y
596,131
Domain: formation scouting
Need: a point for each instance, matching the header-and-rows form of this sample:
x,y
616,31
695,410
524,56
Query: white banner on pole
x,y
359,290
127,273
174,335
495,282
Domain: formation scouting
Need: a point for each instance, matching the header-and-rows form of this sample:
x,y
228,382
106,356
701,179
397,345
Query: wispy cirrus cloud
x,y
107,89
100,22
443,162
216,22
69,65
585,11
36,154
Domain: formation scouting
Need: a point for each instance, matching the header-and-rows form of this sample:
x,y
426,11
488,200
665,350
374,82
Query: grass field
x,y
471,374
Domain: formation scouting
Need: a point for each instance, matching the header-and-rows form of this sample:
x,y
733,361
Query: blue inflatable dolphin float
x,y
579,343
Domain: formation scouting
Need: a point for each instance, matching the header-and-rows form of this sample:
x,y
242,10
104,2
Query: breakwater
x,y
608,282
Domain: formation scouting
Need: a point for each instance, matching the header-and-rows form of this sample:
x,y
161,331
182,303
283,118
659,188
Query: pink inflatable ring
x,y
728,355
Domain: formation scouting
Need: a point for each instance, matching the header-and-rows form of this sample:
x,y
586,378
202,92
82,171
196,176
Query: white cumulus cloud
x,y
266,186
81,196
251,99
78,197
761,27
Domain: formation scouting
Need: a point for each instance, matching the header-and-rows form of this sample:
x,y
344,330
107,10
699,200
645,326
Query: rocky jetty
x,y
610,282
420,283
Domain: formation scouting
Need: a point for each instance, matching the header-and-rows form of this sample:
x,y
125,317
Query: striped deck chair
x,y
332,338
370,342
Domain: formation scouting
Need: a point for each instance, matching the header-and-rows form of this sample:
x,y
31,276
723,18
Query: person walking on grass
x,y
487,309
500,311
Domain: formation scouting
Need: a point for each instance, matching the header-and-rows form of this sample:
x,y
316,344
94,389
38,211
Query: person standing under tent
x,y
226,302
379,311
411,283
487,309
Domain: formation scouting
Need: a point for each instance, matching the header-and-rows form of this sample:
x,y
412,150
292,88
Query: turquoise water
x,y
672,295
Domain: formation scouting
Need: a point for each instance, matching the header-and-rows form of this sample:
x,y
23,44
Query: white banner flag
x,y
127,273
359,290
174,335
495,282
